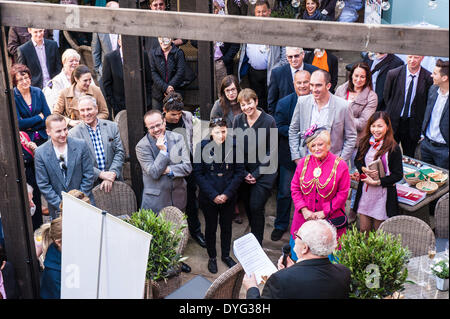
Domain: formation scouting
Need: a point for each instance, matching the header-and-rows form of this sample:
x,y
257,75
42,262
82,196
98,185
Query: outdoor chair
x,y
121,200
417,236
441,217
176,216
227,285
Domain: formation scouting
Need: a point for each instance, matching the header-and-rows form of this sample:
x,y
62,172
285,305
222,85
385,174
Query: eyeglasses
x,y
155,127
216,120
297,235
290,57
230,90
24,78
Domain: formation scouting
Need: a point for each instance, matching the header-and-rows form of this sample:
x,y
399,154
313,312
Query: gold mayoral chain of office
x,y
307,187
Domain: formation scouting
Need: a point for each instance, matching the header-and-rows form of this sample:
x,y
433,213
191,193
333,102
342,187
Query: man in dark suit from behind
x,y
41,56
313,276
281,79
406,94
379,67
435,144
112,80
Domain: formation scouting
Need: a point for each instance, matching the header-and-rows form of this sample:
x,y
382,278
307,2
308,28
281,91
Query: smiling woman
x,y
67,104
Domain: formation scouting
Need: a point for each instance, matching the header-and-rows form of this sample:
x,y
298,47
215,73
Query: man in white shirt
x,y
323,109
435,145
41,56
405,94
258,60
62,164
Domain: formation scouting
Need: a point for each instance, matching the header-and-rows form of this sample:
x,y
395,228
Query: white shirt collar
x,y
36,45
442,94
415,74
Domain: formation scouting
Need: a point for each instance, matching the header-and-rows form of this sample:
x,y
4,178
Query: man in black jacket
x,y
112,80
41,56
313,276
379,67
405,95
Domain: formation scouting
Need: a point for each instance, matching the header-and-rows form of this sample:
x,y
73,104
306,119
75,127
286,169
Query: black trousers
x,y
403,136
255,197
31,180
258,83
192,206
222,215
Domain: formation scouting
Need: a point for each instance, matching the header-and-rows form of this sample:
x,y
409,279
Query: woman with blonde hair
x,y
70,60
51,252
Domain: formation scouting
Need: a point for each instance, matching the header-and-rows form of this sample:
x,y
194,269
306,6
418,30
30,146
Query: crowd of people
x,y
290,110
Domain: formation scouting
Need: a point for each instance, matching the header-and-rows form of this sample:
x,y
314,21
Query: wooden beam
x,y
205,69
14,207
239,29
135,100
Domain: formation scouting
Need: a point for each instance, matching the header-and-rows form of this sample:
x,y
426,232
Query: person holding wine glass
x,y
376,197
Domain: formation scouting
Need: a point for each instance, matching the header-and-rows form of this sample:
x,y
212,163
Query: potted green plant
x,y
377,262
164,264
440,270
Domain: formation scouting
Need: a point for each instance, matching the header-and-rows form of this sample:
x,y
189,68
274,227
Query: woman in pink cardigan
x,y
320,184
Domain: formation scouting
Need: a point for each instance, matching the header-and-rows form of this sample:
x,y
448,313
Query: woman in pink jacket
x,y
320,184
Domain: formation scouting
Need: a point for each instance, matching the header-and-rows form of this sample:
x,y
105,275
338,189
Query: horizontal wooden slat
x,y
239,29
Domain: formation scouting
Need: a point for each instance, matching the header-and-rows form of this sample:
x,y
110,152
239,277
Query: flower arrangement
x,y
440,268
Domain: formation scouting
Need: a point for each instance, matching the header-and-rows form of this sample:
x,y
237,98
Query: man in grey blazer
x,y
62,164
104,143
164,159
323,109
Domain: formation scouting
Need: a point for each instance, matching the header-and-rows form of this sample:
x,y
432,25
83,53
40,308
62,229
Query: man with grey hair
x,y
282,78
313,276
104,143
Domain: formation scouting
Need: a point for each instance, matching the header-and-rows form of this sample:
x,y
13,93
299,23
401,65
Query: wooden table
x,y
429,198
416,273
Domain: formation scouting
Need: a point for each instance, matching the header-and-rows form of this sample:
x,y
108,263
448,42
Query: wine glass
x,y
431,252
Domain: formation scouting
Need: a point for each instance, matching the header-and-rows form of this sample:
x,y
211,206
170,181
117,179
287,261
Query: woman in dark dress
x,y
218,176
256,137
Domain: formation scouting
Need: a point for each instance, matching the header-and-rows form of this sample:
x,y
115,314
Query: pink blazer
x,y
334,204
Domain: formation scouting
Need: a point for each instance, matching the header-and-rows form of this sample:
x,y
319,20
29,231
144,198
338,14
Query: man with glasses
x,y
62,163
164,159
282,78
313,276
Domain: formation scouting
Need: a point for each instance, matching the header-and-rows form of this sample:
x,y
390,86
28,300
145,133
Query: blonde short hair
x,y
69,53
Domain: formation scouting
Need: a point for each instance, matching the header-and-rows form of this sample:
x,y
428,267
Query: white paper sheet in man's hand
x,y
253,258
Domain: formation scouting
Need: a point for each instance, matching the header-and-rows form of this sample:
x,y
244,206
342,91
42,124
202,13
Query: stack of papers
x,y
253,258
408,195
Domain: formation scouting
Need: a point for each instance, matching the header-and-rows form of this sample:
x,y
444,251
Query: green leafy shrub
x,y
440,268
377,262
163,261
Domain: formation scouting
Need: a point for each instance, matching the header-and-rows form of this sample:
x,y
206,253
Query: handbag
x,y
339,222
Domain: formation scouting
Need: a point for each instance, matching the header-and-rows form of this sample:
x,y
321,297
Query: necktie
x,y
408,98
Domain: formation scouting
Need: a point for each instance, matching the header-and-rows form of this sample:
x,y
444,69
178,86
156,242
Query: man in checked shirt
x,y
104,143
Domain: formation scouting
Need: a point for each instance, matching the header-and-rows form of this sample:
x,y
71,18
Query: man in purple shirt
x,y
41,56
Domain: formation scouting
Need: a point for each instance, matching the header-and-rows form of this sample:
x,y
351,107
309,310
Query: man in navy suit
x,y
41,56
62,164
283,116
406,94
281,79
435,146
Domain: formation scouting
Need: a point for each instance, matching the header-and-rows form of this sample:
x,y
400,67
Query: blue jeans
x,y
284,199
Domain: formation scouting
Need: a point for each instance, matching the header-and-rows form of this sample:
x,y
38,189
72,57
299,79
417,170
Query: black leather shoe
x,y
185,267
276,234
200,239
228,261
212,265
